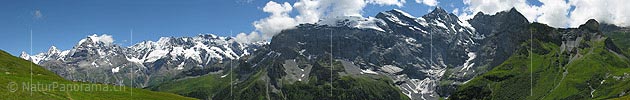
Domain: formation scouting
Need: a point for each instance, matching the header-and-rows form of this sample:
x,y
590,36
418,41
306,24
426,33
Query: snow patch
x,y
222,76
404,13
63,54
466,25
467,65
106,39
422,21
115,70
368,71
302,51
135,60
391,69
395,19
353,21
155,55
191,53
94,64
180,66
440,24
177,51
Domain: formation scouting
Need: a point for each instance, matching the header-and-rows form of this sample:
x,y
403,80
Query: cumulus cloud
x,y
556,13
606,11
277,21
248,38
309,11
455,11
398,3
493,6
107,39
428,2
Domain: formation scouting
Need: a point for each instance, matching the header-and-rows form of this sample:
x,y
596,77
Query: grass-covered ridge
x,y
593,71
203,87
15,75
621,39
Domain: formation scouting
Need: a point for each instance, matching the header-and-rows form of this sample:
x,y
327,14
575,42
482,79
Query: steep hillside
x,y
574,63
17,72
619,35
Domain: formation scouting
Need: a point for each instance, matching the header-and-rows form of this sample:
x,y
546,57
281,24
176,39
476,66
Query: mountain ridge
x,y
93,60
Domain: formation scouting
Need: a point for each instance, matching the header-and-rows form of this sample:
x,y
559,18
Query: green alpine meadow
x,y
545,68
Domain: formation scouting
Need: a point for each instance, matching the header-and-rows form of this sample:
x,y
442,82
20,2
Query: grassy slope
x,y
622,98
202,87
345,87
621,39
317,88
16,70
511,80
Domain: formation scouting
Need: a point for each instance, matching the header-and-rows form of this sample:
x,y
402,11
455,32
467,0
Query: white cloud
x,y
428,2
607,11
107,39
277,21
309,11
398,3
493,6
455,11
556,13
343,7
248,38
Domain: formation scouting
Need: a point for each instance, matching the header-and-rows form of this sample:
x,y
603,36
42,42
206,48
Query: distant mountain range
x,y
392,55
144,63
25,80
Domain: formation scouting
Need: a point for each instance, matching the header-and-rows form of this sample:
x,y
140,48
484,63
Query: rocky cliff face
x,y
426,57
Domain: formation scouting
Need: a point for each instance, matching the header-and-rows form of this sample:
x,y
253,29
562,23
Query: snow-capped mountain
x,y
416,52
444,42
427,57
144,63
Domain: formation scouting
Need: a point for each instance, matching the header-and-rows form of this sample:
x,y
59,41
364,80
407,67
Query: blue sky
x,y
62,23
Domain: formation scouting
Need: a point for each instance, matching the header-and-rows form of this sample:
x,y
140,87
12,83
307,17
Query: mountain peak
x,y
438,11
513,9
25,55
53,50
85,41
591,25
513,14
440,14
